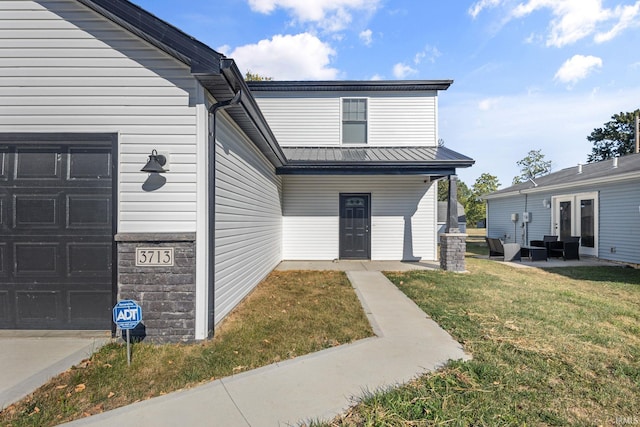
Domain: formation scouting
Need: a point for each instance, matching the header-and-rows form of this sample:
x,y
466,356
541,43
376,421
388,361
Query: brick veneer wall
x,y
167,294
452,250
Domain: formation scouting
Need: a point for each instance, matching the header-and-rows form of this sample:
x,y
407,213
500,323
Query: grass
x,y
288,315
550,347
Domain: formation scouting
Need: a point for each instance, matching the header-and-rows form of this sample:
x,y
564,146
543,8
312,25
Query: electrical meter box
x,y
526,216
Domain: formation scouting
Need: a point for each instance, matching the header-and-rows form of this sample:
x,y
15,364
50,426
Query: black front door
x,y
56,236
355,219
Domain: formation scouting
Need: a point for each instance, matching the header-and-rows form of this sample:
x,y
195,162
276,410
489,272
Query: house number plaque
x,y
154,257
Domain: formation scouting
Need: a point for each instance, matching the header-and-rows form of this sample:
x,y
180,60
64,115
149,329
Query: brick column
x,y
167,294
452,249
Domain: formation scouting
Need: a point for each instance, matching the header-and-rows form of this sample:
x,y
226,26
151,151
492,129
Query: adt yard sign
x,y
127,314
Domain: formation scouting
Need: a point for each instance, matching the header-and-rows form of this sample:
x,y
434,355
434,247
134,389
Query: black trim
x,y
349,85
161,34
365,170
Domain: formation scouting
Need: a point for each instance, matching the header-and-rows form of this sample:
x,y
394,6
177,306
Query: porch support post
x,y
453,244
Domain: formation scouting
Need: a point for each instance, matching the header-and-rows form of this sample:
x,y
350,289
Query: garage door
x,y
56,236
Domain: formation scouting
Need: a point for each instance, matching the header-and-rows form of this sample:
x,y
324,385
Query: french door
x,y
577,215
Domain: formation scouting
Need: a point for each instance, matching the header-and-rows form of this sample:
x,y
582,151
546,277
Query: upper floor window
x,y
354,121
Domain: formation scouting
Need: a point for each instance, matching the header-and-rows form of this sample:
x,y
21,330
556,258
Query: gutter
x,y
211,204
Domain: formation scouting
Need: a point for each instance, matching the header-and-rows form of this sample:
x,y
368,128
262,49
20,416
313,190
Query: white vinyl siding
x,y
248,229
403,217
314,119
64,68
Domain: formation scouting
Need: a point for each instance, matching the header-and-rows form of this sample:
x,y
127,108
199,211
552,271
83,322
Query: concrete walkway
x,y
30,358
312,387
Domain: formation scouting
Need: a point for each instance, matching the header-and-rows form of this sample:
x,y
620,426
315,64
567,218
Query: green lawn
x,y
288,315
555,347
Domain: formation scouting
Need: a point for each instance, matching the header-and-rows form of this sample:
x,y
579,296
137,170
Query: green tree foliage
x,y
443,191
471,198
615,138
476,207
532,166
255,77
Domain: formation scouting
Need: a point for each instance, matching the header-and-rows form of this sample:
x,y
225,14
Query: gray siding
x,y
499,224
64,68
620,222
618,217
248,229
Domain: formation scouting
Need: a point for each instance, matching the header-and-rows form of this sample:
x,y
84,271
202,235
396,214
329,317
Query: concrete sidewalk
x,y
30,358
317,386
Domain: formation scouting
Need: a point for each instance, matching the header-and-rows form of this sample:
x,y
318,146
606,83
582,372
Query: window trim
x,y
366,120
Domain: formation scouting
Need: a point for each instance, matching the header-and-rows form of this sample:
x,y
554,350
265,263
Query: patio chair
x,y
569,248
508,251
546,242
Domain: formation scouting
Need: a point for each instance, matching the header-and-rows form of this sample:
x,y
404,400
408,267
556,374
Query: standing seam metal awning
x,y
357,160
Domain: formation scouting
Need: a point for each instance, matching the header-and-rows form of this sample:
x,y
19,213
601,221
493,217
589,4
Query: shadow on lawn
x,y
615,274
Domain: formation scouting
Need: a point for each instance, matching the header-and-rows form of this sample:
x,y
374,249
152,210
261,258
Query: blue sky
x,y
528,74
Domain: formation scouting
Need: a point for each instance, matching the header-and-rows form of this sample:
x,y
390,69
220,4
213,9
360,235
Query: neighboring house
x,y
91,88
442,217
600,202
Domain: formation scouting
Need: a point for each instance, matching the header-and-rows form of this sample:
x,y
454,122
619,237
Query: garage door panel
x,y
88,306
38,163
36,259
88,211
32,306
4,170
4,307
89,163
89,260
4,268
35,211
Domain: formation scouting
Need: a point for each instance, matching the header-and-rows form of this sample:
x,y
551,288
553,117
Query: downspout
x,y
211,204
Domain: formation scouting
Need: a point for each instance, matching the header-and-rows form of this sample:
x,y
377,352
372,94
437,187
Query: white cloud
x,y
577,68
477,7
572,20
430,53
401,71
224,49
366,37
331,15
628,17
488,104
288,57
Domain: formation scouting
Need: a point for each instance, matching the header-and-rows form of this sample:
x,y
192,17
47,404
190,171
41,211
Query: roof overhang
x,y
350,85
431,161
218,75
631,176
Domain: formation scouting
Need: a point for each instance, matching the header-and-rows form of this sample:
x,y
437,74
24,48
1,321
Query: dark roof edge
x,y
354,85
235,79
161,34
295,169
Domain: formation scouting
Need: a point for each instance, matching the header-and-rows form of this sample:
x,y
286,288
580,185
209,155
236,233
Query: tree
x,y
443,191
615,138
255,77
532,166
476,207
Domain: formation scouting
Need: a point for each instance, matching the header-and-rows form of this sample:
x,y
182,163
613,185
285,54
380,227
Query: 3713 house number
x,y
151,257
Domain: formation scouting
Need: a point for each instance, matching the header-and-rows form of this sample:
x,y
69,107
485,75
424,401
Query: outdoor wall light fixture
x,y
546,203
155,163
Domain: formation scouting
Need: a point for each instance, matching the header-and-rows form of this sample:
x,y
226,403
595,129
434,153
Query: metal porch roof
x,y
435,161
